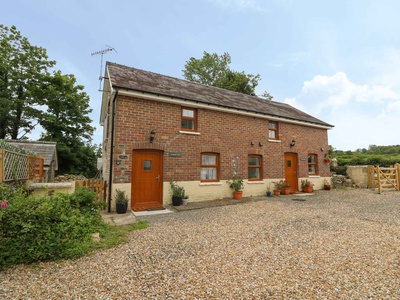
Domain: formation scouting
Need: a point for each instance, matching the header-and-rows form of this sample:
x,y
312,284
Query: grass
x,y
113,235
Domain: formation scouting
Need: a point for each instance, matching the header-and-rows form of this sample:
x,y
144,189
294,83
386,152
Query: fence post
x,y
397,166
1,165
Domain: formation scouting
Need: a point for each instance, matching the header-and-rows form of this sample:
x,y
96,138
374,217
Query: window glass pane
x,y
272,134
208,174
311,169
254,161
311,158
188,113
188,124
272,125
208,160
147,165
289,163
254,173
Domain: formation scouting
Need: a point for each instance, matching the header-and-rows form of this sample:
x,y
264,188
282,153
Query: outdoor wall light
x,y
260,144
293,143
252,143
152,135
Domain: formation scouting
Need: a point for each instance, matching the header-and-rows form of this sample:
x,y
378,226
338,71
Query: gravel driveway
x,y
338,244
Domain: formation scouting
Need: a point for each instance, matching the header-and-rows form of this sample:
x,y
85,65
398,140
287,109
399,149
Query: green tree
x,y
22,68
31,95
66,122
214,70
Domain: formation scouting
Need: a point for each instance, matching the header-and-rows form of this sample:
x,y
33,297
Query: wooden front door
x,y
291,171
147,180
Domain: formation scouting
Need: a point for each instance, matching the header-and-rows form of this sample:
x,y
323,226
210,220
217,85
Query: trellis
x,y
19,166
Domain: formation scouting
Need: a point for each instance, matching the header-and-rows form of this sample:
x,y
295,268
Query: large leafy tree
x,y
66,122
30,94
213,69
22,68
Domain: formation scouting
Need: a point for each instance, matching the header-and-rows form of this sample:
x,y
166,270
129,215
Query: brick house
x,y
159,128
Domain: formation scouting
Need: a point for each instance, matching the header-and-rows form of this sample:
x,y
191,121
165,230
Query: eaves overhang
x,y
199,104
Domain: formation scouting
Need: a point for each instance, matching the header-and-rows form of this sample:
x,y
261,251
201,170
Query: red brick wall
x,y
229,134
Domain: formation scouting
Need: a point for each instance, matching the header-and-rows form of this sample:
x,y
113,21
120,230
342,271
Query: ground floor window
x,y
312,164
255,167
209,167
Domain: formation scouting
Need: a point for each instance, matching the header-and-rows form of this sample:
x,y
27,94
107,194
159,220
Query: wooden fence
x,y
384,178
96,185
19,166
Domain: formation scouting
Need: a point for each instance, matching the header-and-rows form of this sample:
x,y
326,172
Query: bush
x,y
48,227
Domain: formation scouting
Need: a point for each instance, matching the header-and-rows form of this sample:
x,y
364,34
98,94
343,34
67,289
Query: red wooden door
x,y
147,181
291,171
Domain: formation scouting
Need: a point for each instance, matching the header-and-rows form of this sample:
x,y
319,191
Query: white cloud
x,y
362,114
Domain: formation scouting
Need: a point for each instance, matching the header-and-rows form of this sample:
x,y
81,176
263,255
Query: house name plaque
x,y
175,154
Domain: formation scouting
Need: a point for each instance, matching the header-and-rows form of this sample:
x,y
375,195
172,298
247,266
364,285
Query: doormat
x,y
299,199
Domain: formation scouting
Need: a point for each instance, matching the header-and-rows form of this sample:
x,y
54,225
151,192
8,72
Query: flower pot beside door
x,y
307,186
121,202
177,193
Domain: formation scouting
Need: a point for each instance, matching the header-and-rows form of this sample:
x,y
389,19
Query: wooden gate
x,y
96,185
384,178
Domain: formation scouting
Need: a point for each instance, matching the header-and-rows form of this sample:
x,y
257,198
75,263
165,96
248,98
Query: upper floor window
x,y
273,130
312,164
209,167
255,167
189,119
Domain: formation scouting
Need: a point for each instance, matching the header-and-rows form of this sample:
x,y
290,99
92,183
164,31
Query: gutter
x,y
110,178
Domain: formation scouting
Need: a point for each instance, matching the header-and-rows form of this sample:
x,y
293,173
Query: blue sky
x,y
336,60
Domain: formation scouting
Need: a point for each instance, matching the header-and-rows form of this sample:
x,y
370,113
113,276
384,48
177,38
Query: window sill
x,y
209,183
256,182
275,141
314,176
189,132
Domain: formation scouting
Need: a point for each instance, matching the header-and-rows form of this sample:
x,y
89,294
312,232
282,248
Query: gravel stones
x,y
338,244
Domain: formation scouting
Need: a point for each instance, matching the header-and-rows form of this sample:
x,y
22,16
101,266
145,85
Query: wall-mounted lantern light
x,y
252,143
152,135
293,143
260,144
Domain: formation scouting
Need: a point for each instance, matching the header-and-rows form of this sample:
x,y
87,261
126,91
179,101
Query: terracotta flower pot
x,y
238,195
285,191
327,187
277,192
307,189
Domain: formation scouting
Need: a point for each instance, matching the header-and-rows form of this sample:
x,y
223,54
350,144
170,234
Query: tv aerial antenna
x,y
102,52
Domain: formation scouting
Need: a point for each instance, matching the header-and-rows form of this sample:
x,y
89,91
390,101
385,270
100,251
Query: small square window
x,y
147,165
273,130
189,119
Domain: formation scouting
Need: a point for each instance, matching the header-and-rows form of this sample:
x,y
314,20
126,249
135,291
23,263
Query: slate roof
x,y
138,80
46,149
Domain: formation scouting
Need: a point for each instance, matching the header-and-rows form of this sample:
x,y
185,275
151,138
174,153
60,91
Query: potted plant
x,y
177,193
236,184
121,202
277,188
285,187
268,192
327,185
307,186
